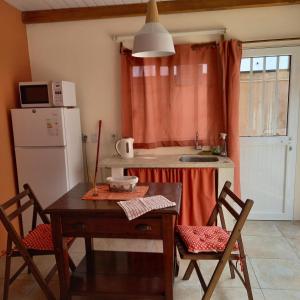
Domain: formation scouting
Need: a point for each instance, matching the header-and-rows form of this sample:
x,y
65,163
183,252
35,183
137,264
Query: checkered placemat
x,y
139,206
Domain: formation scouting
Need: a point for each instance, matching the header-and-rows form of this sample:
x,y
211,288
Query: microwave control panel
x,y
63,93
57,93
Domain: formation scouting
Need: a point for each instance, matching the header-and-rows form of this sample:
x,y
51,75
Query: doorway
x,y
269,105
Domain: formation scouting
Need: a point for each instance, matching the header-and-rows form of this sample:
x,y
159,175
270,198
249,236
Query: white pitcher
x,y
124,147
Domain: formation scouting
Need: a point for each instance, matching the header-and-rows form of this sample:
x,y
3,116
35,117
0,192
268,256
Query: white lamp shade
x,y
153,40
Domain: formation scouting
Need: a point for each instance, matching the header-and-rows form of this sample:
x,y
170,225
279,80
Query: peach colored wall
x,y
14,67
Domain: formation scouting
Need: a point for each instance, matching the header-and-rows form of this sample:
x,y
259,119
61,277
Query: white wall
x,y
84,52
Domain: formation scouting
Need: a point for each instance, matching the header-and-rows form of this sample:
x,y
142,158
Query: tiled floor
x,y
273,250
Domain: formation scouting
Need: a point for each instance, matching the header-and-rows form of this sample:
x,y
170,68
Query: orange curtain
x,y
165,101
198,190
231,55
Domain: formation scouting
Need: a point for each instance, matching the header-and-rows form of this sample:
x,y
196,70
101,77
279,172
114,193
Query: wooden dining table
x,y
113,275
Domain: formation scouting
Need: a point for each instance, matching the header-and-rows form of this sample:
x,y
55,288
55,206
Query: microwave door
x,y
38,127
35,95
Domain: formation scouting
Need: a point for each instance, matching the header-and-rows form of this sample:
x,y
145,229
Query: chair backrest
x,y
14,208
222,201
241,217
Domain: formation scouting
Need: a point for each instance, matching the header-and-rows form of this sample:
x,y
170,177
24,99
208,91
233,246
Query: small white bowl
x,y
122,183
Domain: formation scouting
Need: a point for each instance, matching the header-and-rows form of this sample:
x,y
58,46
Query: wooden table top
x,y
71,202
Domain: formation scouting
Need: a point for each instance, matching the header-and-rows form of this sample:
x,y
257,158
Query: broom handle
x,y
97,155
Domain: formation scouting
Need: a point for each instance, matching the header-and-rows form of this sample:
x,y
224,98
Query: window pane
x,y
244,100
255,109
284,62
283,91
137,71
264,96
164,71
271,63
258,63
269,97
149,71
245,64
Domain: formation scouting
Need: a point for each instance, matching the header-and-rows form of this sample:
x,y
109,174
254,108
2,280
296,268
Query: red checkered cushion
x,y
204,238
40,238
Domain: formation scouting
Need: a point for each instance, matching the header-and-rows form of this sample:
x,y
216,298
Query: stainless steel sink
x,y
198,159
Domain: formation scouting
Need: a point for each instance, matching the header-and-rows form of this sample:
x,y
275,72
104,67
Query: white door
x,y
45,170
38,127
269,106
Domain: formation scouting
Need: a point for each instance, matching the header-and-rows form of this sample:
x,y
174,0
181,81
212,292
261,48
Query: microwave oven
x,y
47,94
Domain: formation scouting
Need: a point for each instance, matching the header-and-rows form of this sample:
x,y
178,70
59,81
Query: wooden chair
x,y
37,242
233,249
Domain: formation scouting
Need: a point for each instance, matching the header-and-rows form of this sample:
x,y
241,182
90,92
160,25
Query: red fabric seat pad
x,y
204,238
40,238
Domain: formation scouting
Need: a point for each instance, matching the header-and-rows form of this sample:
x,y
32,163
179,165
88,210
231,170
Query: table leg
x,y
168,248
89,247
62,257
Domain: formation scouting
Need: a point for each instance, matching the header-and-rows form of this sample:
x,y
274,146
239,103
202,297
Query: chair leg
x,y
28,269
176,262
176,267
71,264
232,273
6,276
39,278
199,274
188,271
247,279
215,278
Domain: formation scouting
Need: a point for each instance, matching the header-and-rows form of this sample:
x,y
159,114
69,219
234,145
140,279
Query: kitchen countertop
x,y
163,161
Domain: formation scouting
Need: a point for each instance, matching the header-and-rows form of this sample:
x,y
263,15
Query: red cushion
x,y
40,238
204,238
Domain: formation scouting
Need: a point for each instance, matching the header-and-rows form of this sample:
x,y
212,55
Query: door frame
x,y
290,192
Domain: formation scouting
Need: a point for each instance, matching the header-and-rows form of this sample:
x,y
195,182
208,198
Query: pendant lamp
x,y
153,40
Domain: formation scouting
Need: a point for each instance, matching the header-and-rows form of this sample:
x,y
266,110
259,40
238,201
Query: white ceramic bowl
x,y
122,183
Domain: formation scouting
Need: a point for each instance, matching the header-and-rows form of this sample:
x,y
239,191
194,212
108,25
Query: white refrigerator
x,y
48,151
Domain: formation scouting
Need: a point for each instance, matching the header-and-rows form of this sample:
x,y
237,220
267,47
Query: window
x,y
264,94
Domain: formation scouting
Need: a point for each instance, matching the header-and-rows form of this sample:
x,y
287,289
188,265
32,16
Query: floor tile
x,y
295,244
37,294
19,289
261,228
77,257
268,247
207,269
281,294
288,228
44,263
187,290
77,246
277,273
235,294
15,264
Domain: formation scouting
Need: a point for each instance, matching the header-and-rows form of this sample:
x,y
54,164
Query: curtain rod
x,y
271,40
121,38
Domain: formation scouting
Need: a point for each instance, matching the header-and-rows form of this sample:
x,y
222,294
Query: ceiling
x,y
31,5
45,11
